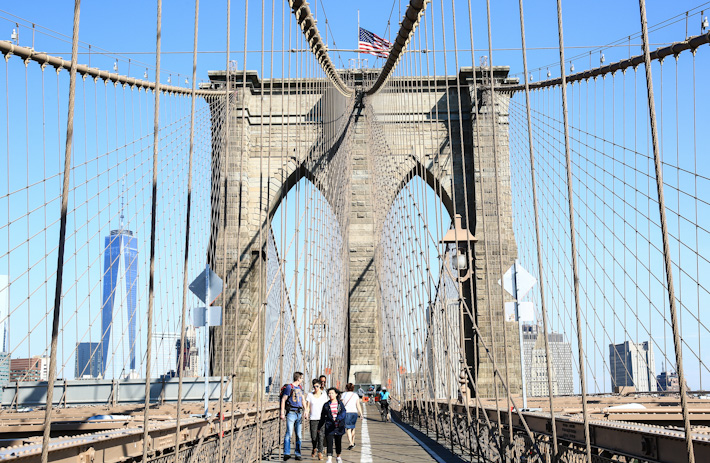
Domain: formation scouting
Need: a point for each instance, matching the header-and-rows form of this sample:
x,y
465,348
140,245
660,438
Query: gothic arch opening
x,y
418,295
306,321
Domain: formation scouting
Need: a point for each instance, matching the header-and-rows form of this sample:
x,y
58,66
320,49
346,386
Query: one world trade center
x,y
119,244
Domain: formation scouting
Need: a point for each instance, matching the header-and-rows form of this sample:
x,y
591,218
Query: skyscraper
x,y
190,357
536,362
632,364
4,311
88,360
4,369
119,243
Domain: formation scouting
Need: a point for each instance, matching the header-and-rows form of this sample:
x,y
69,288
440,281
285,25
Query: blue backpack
x,y
292,398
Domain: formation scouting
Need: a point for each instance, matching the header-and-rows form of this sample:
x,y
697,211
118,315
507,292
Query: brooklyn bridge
x,y
516,253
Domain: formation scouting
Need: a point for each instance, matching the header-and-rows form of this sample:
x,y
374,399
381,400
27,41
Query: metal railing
x,y
199,441
472,438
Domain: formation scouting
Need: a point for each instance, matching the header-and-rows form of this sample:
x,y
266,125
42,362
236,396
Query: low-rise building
x,y
632,364
536,362
668,382
29,369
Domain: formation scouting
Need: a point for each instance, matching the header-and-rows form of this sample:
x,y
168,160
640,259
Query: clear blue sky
x,y
130,27
127,31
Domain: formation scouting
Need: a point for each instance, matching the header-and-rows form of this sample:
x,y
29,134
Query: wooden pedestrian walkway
x,y
378,441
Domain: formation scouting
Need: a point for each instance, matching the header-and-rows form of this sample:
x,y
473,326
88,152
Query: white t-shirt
x,y
316,404
350,400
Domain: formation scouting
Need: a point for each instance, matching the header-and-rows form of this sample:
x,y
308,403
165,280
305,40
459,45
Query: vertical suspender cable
x,y
225,172
573,239
284,288
477,349
154,207
183,324
459,284
237,298
494,123
677,344
538,241
469,244
233,376
62,236
262,250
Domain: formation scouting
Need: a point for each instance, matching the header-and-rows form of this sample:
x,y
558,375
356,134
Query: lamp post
x,y
457,253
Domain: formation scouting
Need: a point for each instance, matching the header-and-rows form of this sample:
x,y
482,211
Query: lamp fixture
x,y
457,241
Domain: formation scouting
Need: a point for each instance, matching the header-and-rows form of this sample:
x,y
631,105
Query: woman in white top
x,y
314,406
353,409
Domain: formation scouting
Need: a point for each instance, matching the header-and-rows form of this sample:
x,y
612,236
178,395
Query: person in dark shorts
x,y
353,409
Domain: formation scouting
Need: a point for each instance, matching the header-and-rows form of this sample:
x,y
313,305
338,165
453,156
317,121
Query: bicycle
x,y
385,410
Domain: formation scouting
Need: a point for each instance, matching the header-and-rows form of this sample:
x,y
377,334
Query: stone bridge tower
x,y
340,151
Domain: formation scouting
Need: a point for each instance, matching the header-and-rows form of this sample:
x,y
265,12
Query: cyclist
x,y
384,403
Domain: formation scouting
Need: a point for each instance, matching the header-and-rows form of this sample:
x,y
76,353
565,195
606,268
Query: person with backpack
x,y
384,404
353,409
291,411
332,419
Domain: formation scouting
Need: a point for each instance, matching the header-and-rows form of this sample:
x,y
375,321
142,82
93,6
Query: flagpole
x,y
358,40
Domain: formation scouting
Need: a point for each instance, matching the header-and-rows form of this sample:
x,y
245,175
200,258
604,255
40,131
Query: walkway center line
x,y
366,452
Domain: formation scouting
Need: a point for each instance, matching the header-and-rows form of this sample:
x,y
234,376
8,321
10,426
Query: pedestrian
x,y
322,383
291,411
332,420
314,408
353,409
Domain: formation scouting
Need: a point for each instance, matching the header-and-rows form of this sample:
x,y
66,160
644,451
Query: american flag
x,y
373,44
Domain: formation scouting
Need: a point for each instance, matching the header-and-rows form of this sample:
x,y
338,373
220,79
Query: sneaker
x,y
339,460
350,447
298,457
330,459
287,457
